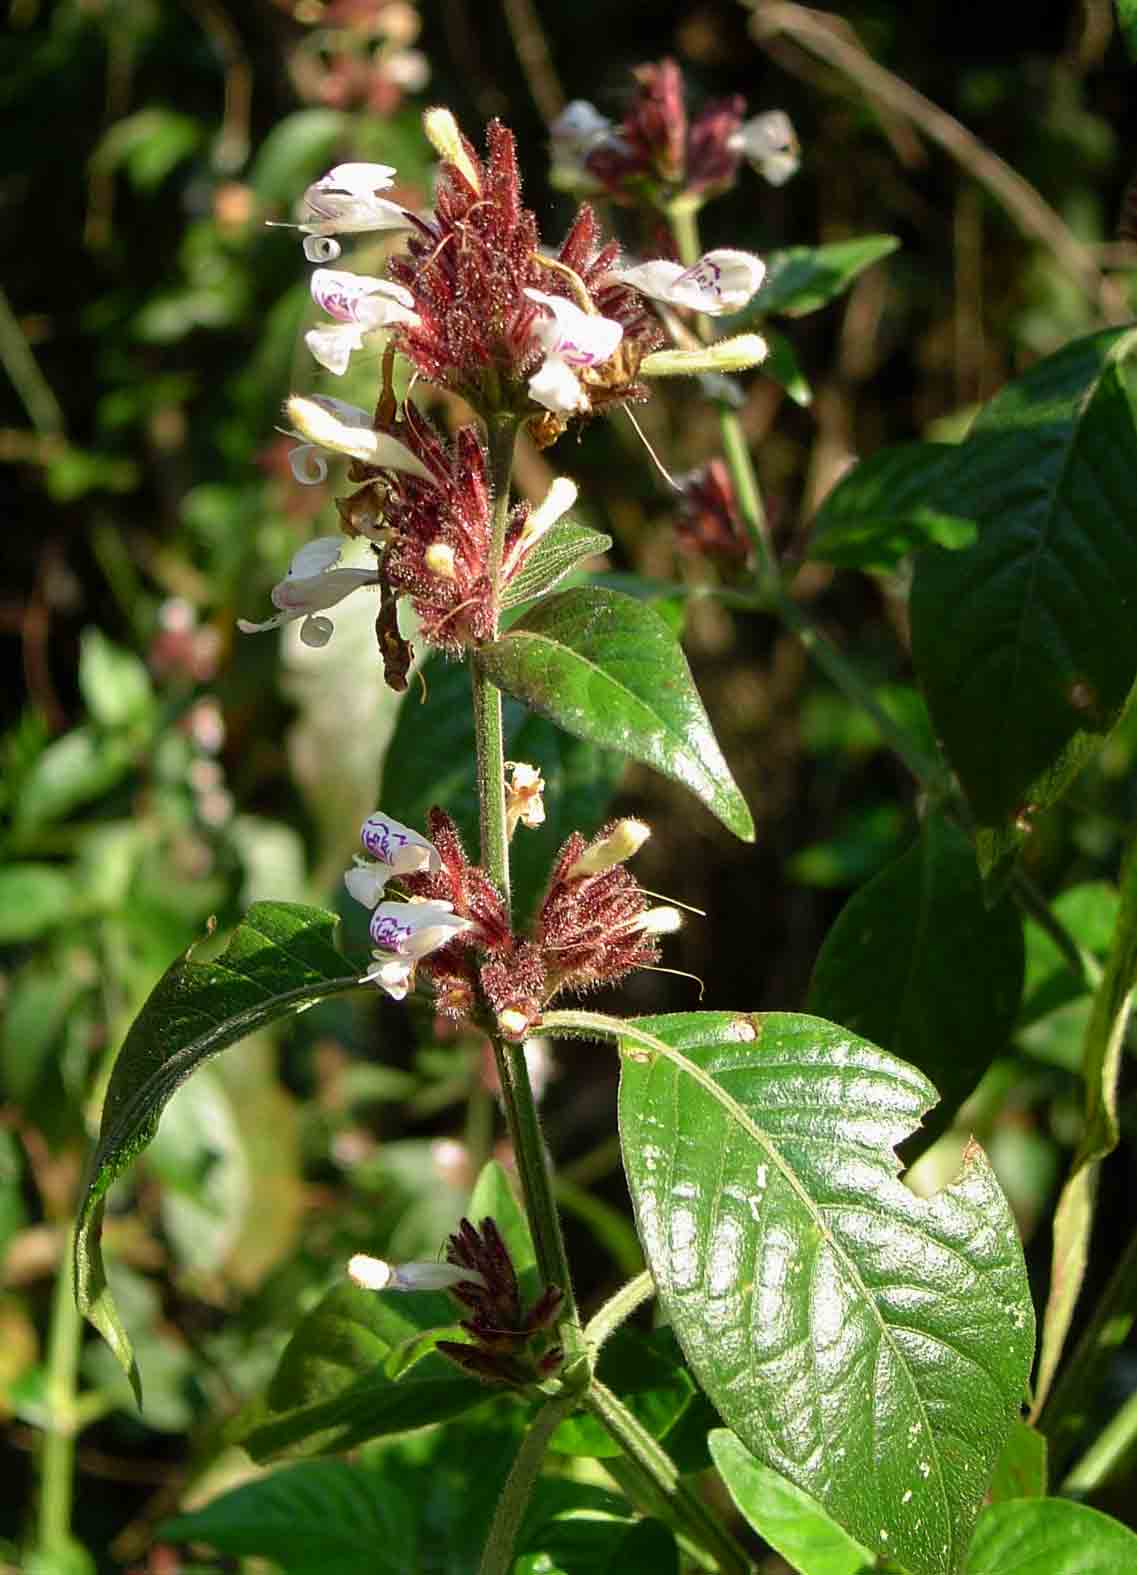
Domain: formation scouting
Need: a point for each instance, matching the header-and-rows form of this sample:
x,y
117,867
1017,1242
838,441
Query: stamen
x,y
680,973
655,459
673,901
579,288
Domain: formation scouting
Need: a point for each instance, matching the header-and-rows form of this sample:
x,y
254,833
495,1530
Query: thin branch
x,y
533,52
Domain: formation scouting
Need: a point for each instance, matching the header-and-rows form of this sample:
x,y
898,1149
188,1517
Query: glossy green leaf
x,y
921,933
558,552
1023,643
1021,1469
890,504
801,279
1050,1536
280,959
794,1524
323,1517
431,761
869,1345
34,898
607,669
648,1374
344,1376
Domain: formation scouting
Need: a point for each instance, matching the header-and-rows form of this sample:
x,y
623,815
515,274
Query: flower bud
x,y
439,559
445,138
725,355
375,1274
626,838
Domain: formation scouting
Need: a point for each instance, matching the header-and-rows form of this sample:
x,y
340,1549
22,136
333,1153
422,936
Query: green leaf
x,y
34,898
1049,1536
323,1517
1021,1468
800,279
79,767
794,1524
648,1375
148,145
558,552
1023,643
869,1345
431,760
782,365
890,504
296,152
345,1378
607,669
114,682
1101,1066
1088,912
280,959
921,933
1127,21
585,1542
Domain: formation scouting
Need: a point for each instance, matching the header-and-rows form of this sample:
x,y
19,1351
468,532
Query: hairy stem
x,y
513,1074
57,1455
618,1308
498,1557
652,1462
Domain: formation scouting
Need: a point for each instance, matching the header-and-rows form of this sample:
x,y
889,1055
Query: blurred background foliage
x,y
160,771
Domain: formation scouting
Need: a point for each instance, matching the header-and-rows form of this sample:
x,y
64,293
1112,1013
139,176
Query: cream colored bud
x,y
439,559
445,138
725,355
556,503
373,1274
626,838
659,921
331,424
512,1023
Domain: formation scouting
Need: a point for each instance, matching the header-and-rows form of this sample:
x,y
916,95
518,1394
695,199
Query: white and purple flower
x,y
360,304
721,281
346,201
571,339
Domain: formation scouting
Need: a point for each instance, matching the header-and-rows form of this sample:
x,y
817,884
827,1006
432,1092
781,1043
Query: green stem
x,y
1106,1454
925,768
57,1456
683,217
1066,1415
618,1308
653,1463
498,1557
748,495
23,370
513,1074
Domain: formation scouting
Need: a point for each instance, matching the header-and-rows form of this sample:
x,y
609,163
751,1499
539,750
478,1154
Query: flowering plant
x,y
866,1348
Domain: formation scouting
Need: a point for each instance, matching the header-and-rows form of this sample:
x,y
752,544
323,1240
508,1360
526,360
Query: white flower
x,y
570,338
311,584
556,386
770,144
375,1274
346,429
346,201
561,496
321,248
359,304
722,281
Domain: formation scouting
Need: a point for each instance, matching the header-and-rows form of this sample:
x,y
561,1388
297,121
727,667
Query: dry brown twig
x,y
834,41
